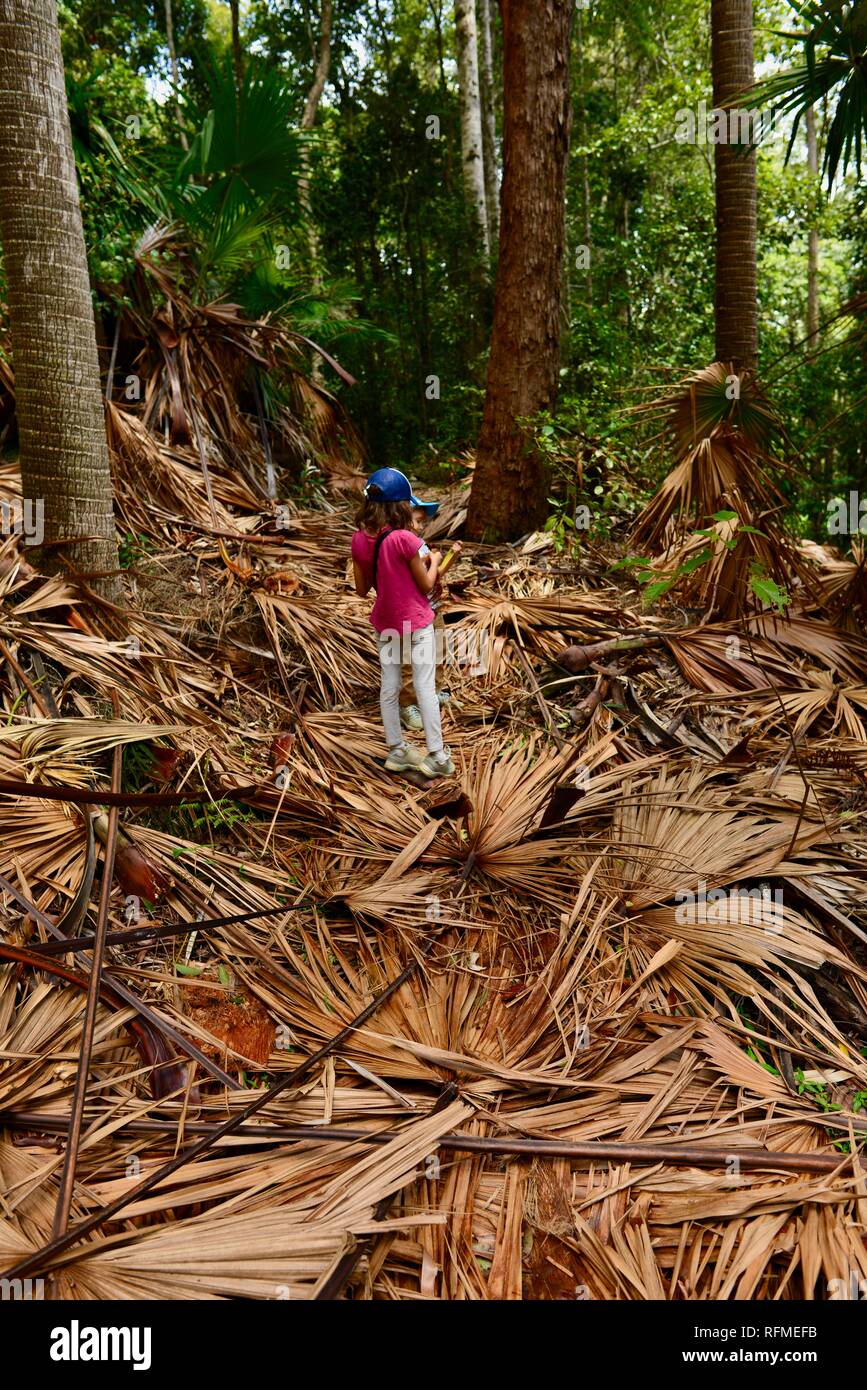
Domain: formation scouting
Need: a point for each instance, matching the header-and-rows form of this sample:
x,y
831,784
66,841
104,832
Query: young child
x,y
410,714
386,556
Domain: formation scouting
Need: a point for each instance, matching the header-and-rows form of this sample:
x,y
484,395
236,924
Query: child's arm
x,y
425,569
362,588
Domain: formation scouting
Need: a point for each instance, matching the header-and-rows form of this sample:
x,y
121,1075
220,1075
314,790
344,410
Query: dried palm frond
x,y
556,983
720,425
844,582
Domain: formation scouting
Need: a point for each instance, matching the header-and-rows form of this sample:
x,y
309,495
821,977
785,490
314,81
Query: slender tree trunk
x,y
437,16
510,484
472,148
237,51
61,420
585,174
308,119
323,64
176,77
735,293
813,237
489,121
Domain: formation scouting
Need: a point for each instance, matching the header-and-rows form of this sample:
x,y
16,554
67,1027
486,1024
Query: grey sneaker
x,y
410,717
437,764
403,757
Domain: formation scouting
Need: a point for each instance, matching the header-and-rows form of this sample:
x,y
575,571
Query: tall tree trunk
x,y
813,237
176,82
489,121
61,420
308,118
510,484
585,173
735,293
437,16
237,51
472,148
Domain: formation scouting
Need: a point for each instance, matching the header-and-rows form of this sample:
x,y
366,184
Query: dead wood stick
x,y
158,931
79,1092
591,702
577,658
599,1151
87,796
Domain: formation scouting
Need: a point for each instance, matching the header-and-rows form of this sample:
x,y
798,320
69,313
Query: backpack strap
x,y
380,538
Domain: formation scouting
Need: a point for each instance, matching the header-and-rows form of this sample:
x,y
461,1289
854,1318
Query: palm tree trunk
x,y
489,121
735,293
472,148
510,485
61,422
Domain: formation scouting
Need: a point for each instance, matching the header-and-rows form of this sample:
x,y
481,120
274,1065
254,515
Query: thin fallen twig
x,y
79,1093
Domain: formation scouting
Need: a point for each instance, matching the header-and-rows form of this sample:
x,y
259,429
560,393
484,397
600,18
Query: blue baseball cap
x,y
390,485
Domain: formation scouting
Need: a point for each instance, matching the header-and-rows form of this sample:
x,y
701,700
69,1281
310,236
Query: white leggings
x,y
420,651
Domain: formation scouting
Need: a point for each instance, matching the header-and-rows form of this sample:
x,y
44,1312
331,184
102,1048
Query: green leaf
x,y
655,591
695,562
766,589
631,562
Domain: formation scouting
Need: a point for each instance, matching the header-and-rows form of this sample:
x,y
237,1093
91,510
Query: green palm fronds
x,y
835,54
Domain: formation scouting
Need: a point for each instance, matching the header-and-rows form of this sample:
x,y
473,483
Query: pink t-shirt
x,y
400,605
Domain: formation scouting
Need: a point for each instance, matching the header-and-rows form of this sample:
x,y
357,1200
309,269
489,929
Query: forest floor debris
x,y
634,918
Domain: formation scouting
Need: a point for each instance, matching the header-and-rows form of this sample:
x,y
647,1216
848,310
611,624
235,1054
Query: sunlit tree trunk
x,y
472,146
735,164
173,62
510,485
489,121
61,421
308,118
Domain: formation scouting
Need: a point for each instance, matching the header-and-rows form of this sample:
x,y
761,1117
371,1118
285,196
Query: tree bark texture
x,y
735,165
510,485
489,121
61,422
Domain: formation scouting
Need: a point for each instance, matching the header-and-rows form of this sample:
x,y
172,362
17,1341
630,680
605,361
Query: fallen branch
x,y
577,658
79,1092
675,1155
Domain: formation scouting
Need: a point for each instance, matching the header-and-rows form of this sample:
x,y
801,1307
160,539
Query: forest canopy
x,y
390,272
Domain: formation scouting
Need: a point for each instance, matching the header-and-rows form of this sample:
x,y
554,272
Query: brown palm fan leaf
x,y
844,584
719,424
